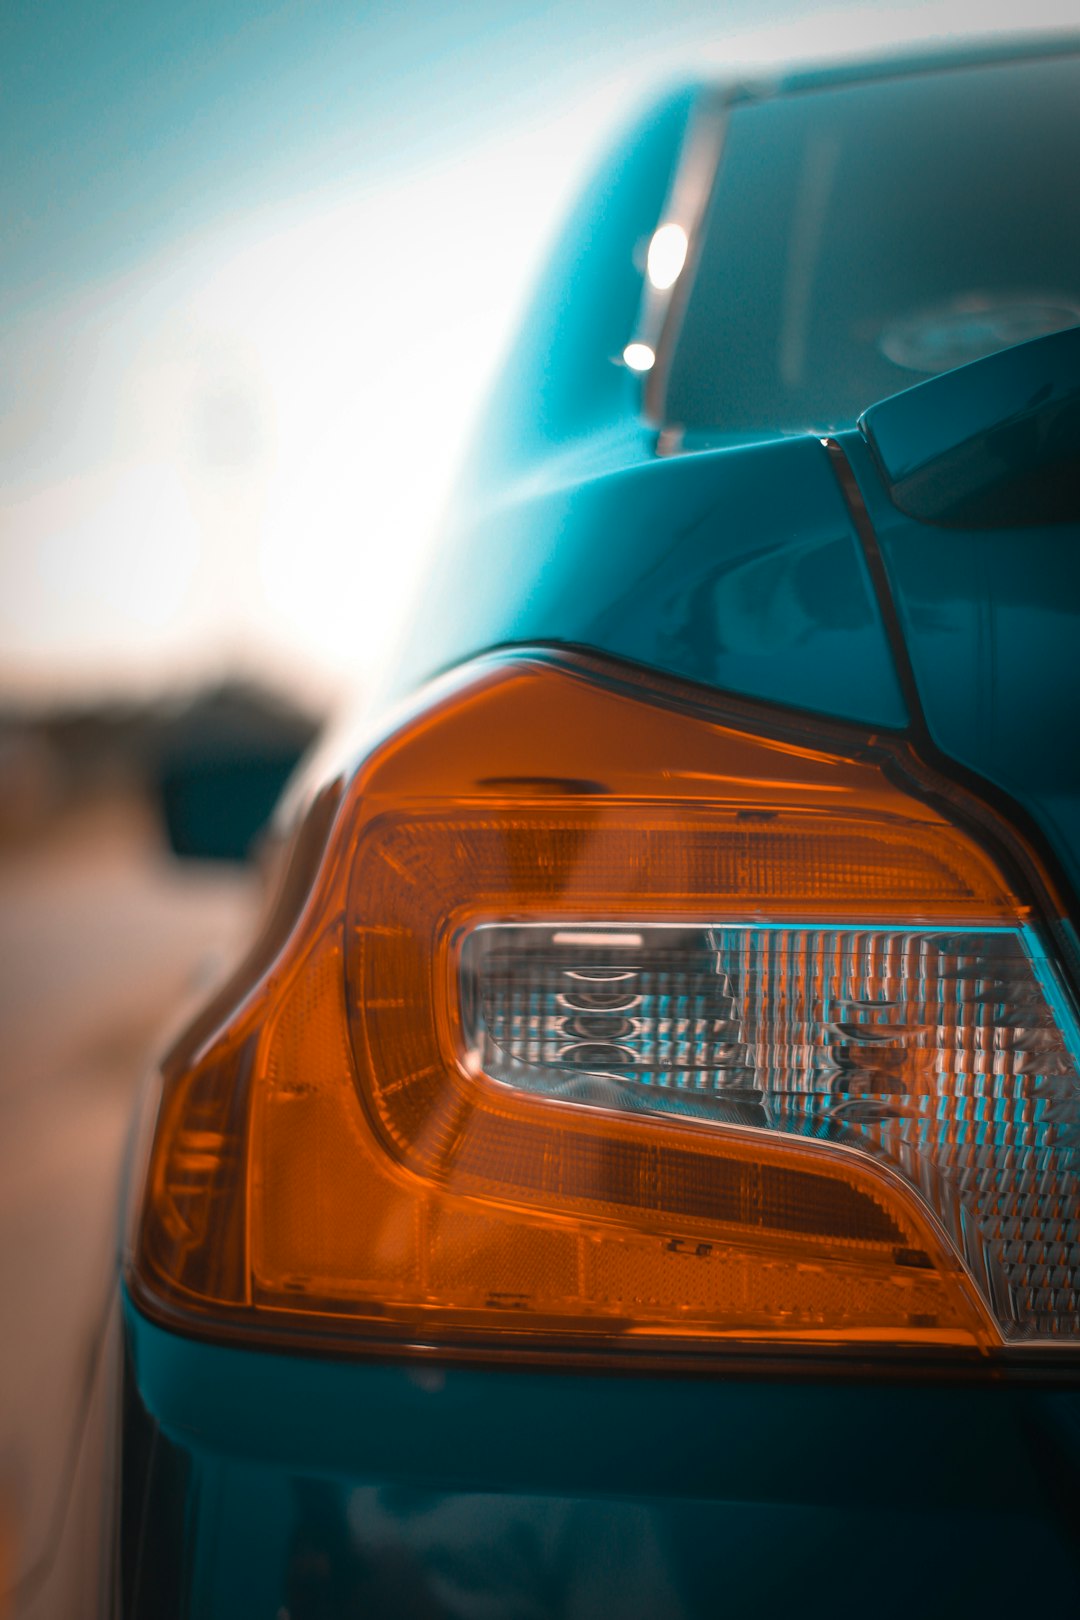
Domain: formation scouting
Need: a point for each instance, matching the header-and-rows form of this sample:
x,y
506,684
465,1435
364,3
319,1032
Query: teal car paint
x,y
699,525
737,569
265,1482
996,667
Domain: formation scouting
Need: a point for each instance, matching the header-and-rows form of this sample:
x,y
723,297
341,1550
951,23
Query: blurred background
x,y
259,262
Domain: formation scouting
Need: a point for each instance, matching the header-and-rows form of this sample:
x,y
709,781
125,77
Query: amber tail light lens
x,y
610,1023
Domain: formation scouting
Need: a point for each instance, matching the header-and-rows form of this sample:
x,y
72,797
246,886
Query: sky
x,y
259,262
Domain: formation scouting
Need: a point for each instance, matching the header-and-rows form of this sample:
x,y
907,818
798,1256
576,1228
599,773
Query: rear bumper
x,y
264,1484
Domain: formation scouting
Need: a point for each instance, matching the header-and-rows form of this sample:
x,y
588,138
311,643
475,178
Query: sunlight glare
x,y
667,255
639,357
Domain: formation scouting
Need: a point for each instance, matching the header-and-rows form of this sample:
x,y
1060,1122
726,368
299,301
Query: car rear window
x,y
861,238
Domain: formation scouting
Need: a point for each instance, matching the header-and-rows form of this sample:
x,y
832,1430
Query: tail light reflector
x,y
608,1022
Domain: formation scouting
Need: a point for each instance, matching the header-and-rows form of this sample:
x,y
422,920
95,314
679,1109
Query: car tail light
x,y
608,1022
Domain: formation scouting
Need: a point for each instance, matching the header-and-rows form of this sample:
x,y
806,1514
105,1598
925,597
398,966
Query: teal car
x,y
636,1170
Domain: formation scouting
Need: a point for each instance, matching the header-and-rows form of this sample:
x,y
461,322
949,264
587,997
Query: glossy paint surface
x,y
989,618
268,1482
736,568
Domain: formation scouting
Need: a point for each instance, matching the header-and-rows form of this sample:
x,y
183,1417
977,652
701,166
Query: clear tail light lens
x,y
610,1022
936,1053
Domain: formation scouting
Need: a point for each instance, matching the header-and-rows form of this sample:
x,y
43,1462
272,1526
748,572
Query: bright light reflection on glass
x,y
667,255
639,357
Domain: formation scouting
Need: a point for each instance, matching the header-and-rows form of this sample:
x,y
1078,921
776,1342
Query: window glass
x,y
861,238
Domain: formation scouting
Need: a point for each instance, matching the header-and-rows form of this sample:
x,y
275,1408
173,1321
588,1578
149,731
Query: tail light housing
x,y
609,1022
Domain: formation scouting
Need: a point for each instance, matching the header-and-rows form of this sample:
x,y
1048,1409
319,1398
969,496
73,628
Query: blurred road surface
x,y
103,943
